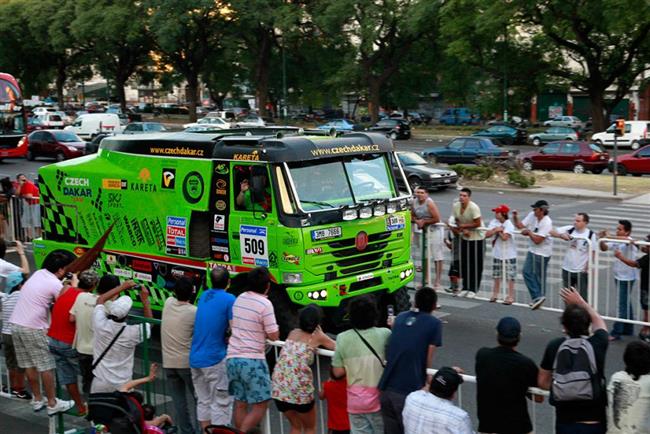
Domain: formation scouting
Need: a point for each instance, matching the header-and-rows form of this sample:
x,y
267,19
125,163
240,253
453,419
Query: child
x,y
452,242
334,391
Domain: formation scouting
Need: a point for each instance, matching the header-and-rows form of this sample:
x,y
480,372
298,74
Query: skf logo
x,y
169,179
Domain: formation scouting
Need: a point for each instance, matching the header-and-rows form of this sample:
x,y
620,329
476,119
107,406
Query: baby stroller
x,y
120,412
221,429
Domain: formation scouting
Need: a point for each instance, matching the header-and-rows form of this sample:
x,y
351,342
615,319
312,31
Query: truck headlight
x,y
349,214
365,212
379,210
292,277
391,208
403,204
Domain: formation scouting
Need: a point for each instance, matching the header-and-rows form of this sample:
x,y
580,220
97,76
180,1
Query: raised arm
x,y
127,284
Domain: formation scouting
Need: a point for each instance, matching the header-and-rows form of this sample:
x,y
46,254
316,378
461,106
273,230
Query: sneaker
x,y
61,406
470,294
437,288
537,303
644,337
38,405
21,394
463,293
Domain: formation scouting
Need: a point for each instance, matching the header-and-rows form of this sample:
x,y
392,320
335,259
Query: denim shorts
x,y
249,380
67,361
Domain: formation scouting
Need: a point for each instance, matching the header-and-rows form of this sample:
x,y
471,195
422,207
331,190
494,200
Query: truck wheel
x,y
402,300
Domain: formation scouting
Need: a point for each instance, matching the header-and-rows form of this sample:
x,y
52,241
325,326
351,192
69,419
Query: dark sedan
x,y
504,134
564,155
465,150
393,128
420,173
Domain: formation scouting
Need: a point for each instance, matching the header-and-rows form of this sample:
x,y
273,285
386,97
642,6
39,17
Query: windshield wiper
x,y
315,202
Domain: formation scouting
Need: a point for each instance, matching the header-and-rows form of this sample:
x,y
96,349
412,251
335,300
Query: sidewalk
x,y
582,193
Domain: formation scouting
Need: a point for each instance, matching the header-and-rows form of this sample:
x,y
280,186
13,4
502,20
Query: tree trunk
x,y
61,76
373,99
598,120
193,90
120,82
218,99
262,70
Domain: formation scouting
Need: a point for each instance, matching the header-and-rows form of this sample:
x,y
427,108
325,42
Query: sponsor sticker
x,y
115,184
395,222
120,272
168,179
219,223
254,245
314,251
142,276
193,187
362,277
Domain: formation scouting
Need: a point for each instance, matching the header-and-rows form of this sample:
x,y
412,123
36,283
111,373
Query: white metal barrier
x,y
19,219
274,422
601,291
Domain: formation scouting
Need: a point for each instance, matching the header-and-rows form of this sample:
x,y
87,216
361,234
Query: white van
x,y
634,131
88,125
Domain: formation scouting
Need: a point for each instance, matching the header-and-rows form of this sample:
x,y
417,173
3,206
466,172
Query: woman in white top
x,y
628,393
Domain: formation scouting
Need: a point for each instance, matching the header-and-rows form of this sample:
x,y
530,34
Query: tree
x,y
382,34
604,43
119,43
187,32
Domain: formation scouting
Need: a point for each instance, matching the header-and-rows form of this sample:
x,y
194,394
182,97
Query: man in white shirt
x,y
537,226
575,267
504,252
624,276
432,411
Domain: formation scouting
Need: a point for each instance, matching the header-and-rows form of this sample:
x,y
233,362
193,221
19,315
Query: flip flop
x,y
507,301
493,299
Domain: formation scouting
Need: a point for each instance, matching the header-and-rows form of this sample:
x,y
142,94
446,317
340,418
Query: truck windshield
x,y
327,184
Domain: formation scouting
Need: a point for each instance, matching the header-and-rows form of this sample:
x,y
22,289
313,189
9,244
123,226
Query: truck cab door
x,y
251,215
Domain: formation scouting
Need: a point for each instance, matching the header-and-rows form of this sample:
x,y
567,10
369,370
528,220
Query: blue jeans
x,y
535,274
182,393
366,423
624,308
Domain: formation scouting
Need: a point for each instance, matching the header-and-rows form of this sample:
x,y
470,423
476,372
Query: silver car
x,y
564,121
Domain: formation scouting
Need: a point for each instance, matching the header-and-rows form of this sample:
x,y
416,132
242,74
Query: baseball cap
x,y
540,204
13,279
509,327
504,209
121,307
445,382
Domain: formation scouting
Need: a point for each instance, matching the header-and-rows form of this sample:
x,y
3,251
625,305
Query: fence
x,y
19,219
600,288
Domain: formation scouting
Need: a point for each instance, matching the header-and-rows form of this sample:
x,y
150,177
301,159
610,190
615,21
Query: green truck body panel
x,y
176,216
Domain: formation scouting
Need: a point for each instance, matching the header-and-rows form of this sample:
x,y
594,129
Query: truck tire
x,y
402,300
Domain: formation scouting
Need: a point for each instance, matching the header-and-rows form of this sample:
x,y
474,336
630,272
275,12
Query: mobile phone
x,y
68,275
391,310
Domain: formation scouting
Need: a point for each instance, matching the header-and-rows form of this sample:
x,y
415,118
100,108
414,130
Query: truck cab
x,y
323,214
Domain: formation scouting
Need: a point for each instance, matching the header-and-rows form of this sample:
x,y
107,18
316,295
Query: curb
x,y
553,193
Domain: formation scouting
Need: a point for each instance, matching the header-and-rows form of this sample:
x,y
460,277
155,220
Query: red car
x,y
637,163
59,144
567,155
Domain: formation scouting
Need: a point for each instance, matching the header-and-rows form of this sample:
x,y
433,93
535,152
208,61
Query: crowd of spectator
x,y
467,233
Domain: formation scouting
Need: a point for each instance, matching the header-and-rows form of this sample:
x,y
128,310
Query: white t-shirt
x,y
628,411
542,228
83,309
576,258
116,367
621,270
503,249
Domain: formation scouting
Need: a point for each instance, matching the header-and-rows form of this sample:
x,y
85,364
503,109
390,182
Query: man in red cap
x,y
504,252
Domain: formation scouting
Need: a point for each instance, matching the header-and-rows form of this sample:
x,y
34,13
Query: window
x,y
644,153
594,147
551,148
253,187
456,144
472,144
553,130
570,149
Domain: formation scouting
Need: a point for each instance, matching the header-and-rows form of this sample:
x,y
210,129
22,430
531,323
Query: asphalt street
x,y
468,324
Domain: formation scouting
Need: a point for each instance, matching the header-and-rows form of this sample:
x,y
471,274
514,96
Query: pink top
x,y
253,318
36,296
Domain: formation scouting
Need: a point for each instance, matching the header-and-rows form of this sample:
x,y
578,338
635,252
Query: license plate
x,y
323,234
362,277
447,181
395,222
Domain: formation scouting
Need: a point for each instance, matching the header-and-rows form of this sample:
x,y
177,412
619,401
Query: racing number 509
x,y
254,246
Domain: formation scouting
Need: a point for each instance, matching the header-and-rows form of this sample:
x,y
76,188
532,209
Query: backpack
x,y
575,373
570,231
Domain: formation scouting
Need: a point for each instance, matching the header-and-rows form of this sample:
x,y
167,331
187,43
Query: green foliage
x,y
519,178
480,172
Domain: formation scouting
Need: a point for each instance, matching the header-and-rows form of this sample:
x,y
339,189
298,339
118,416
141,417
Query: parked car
x,y
144,127
552,134
564,121
88,125
566,155
51,120
635,131
393,128
458,116
465,150
419,172
215,122
249,120
227,115
37,111
637,163
504,134
58,144
338,126
35,123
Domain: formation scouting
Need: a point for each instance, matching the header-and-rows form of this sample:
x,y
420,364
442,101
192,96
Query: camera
x,y
137,287
68,275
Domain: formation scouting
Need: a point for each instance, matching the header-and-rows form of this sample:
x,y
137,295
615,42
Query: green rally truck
x,y
323,214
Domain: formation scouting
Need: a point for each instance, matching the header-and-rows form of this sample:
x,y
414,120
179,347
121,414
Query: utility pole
x,y
284,81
